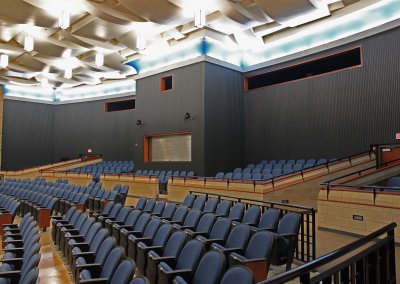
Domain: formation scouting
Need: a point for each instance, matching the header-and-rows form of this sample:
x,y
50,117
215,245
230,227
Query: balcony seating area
x,y
21,246
270,169
163,175
199,241
42,199
106,167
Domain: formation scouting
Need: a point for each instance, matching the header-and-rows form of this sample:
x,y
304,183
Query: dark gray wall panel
x,y
328,116
28,130
223,119
163,112
81,126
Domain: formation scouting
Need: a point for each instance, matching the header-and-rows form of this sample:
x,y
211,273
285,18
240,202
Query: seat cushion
x,y
165,266
179,280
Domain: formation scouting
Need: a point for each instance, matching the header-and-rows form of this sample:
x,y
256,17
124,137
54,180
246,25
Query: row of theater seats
x,y
393,182
21,245
58,197
163,176
106,167
152,232
9,205
268,170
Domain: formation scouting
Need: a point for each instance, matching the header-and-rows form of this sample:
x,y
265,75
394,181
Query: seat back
x,y
180,214
111,263
159,207
151,228
211,205
210,268
162,235
124,272
188,201
141,203
123,214
114,211
223,208
142,222
106,246
92,232
192,218
289,224
133,217
252,215
31,277
237,211
260,246
199,202
169,211
98,240
238,274
206,222
149,205
269,219
238,236
190,255
174,244
220,229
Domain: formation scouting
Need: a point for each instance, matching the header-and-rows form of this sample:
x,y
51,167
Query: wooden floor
x,y
52,269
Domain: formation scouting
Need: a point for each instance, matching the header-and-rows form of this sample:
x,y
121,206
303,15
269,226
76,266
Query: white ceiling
x,y
111,27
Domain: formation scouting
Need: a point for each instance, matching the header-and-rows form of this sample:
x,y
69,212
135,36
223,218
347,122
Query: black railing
x,y
373,188
306,247
368,260
273,180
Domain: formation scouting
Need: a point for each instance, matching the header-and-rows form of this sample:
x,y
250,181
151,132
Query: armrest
x,y
56,217
67,226
228,250
11,225
124,226
95,281
71,230
155,248
183,227
14,276
194,234
131,232
113,221
14,242
88,266
79,245
270,229
147,241
288,236
82,254
81,237
162,258
209,241
13,249
12,260
181,272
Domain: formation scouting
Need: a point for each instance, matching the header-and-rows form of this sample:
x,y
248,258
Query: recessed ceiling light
x,y
3,61
29,43
99,60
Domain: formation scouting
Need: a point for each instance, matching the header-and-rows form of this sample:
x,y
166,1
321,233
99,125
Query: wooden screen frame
x,y
147,147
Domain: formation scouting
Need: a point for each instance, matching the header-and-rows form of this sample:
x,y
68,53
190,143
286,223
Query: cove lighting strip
x,y
65,95
308,37
317,34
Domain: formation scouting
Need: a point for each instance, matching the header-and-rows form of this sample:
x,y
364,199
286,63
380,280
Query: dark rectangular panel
x,y
120,105
315,67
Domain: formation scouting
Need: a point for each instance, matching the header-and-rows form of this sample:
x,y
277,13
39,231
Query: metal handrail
x,y
329,182
311,266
